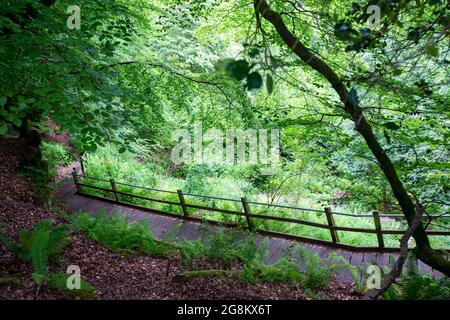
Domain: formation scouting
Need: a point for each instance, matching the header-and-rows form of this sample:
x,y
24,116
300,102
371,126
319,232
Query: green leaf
x,y
37,277
17,122
13,247
3,129
122,150
90,147
397,72
3,101
253,52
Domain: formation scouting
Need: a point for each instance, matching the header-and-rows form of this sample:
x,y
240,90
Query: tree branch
x,y
352,108
398,266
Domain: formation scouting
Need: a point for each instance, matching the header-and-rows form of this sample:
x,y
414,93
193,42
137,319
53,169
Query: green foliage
x,y
227,247
318,189
414,286
42,244
45,242
40,252
192,250
11,281
59,281
17,249
284,270
138,70
55,155
240,70
14,282
317,272
121,235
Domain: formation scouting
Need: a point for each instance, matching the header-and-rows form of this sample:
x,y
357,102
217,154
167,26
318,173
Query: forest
x,y
231,150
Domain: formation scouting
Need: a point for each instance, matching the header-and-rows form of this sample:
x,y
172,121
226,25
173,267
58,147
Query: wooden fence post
x,y
113,186
75,180
331,224
82,165
247,212
376,220
183,203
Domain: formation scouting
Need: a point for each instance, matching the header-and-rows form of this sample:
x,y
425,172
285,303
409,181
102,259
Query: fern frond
x,y
58,239
18,250
59,281
39,250
411,265
45,224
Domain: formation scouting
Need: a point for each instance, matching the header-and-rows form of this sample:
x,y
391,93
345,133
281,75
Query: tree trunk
x,y
30,156
351,107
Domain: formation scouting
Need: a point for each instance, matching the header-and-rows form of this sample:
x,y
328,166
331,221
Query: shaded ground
x,y
113,276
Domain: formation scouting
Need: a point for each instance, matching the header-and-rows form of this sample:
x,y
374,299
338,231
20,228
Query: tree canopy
x,y
358,95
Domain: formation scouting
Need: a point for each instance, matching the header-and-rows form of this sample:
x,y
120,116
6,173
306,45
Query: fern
x,y
356,271
284,270
414,286
317,271
40,245
13,247
58,239
59,281
39,253
121,235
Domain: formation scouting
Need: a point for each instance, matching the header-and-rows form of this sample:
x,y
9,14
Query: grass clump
x,y
121,235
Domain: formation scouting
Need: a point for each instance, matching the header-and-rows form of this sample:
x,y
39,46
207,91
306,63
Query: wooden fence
x,y
249,213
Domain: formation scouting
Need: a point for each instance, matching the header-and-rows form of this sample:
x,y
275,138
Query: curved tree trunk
x,y
423,249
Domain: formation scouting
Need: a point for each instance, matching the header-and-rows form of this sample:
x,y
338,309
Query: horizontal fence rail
x,y
248,212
